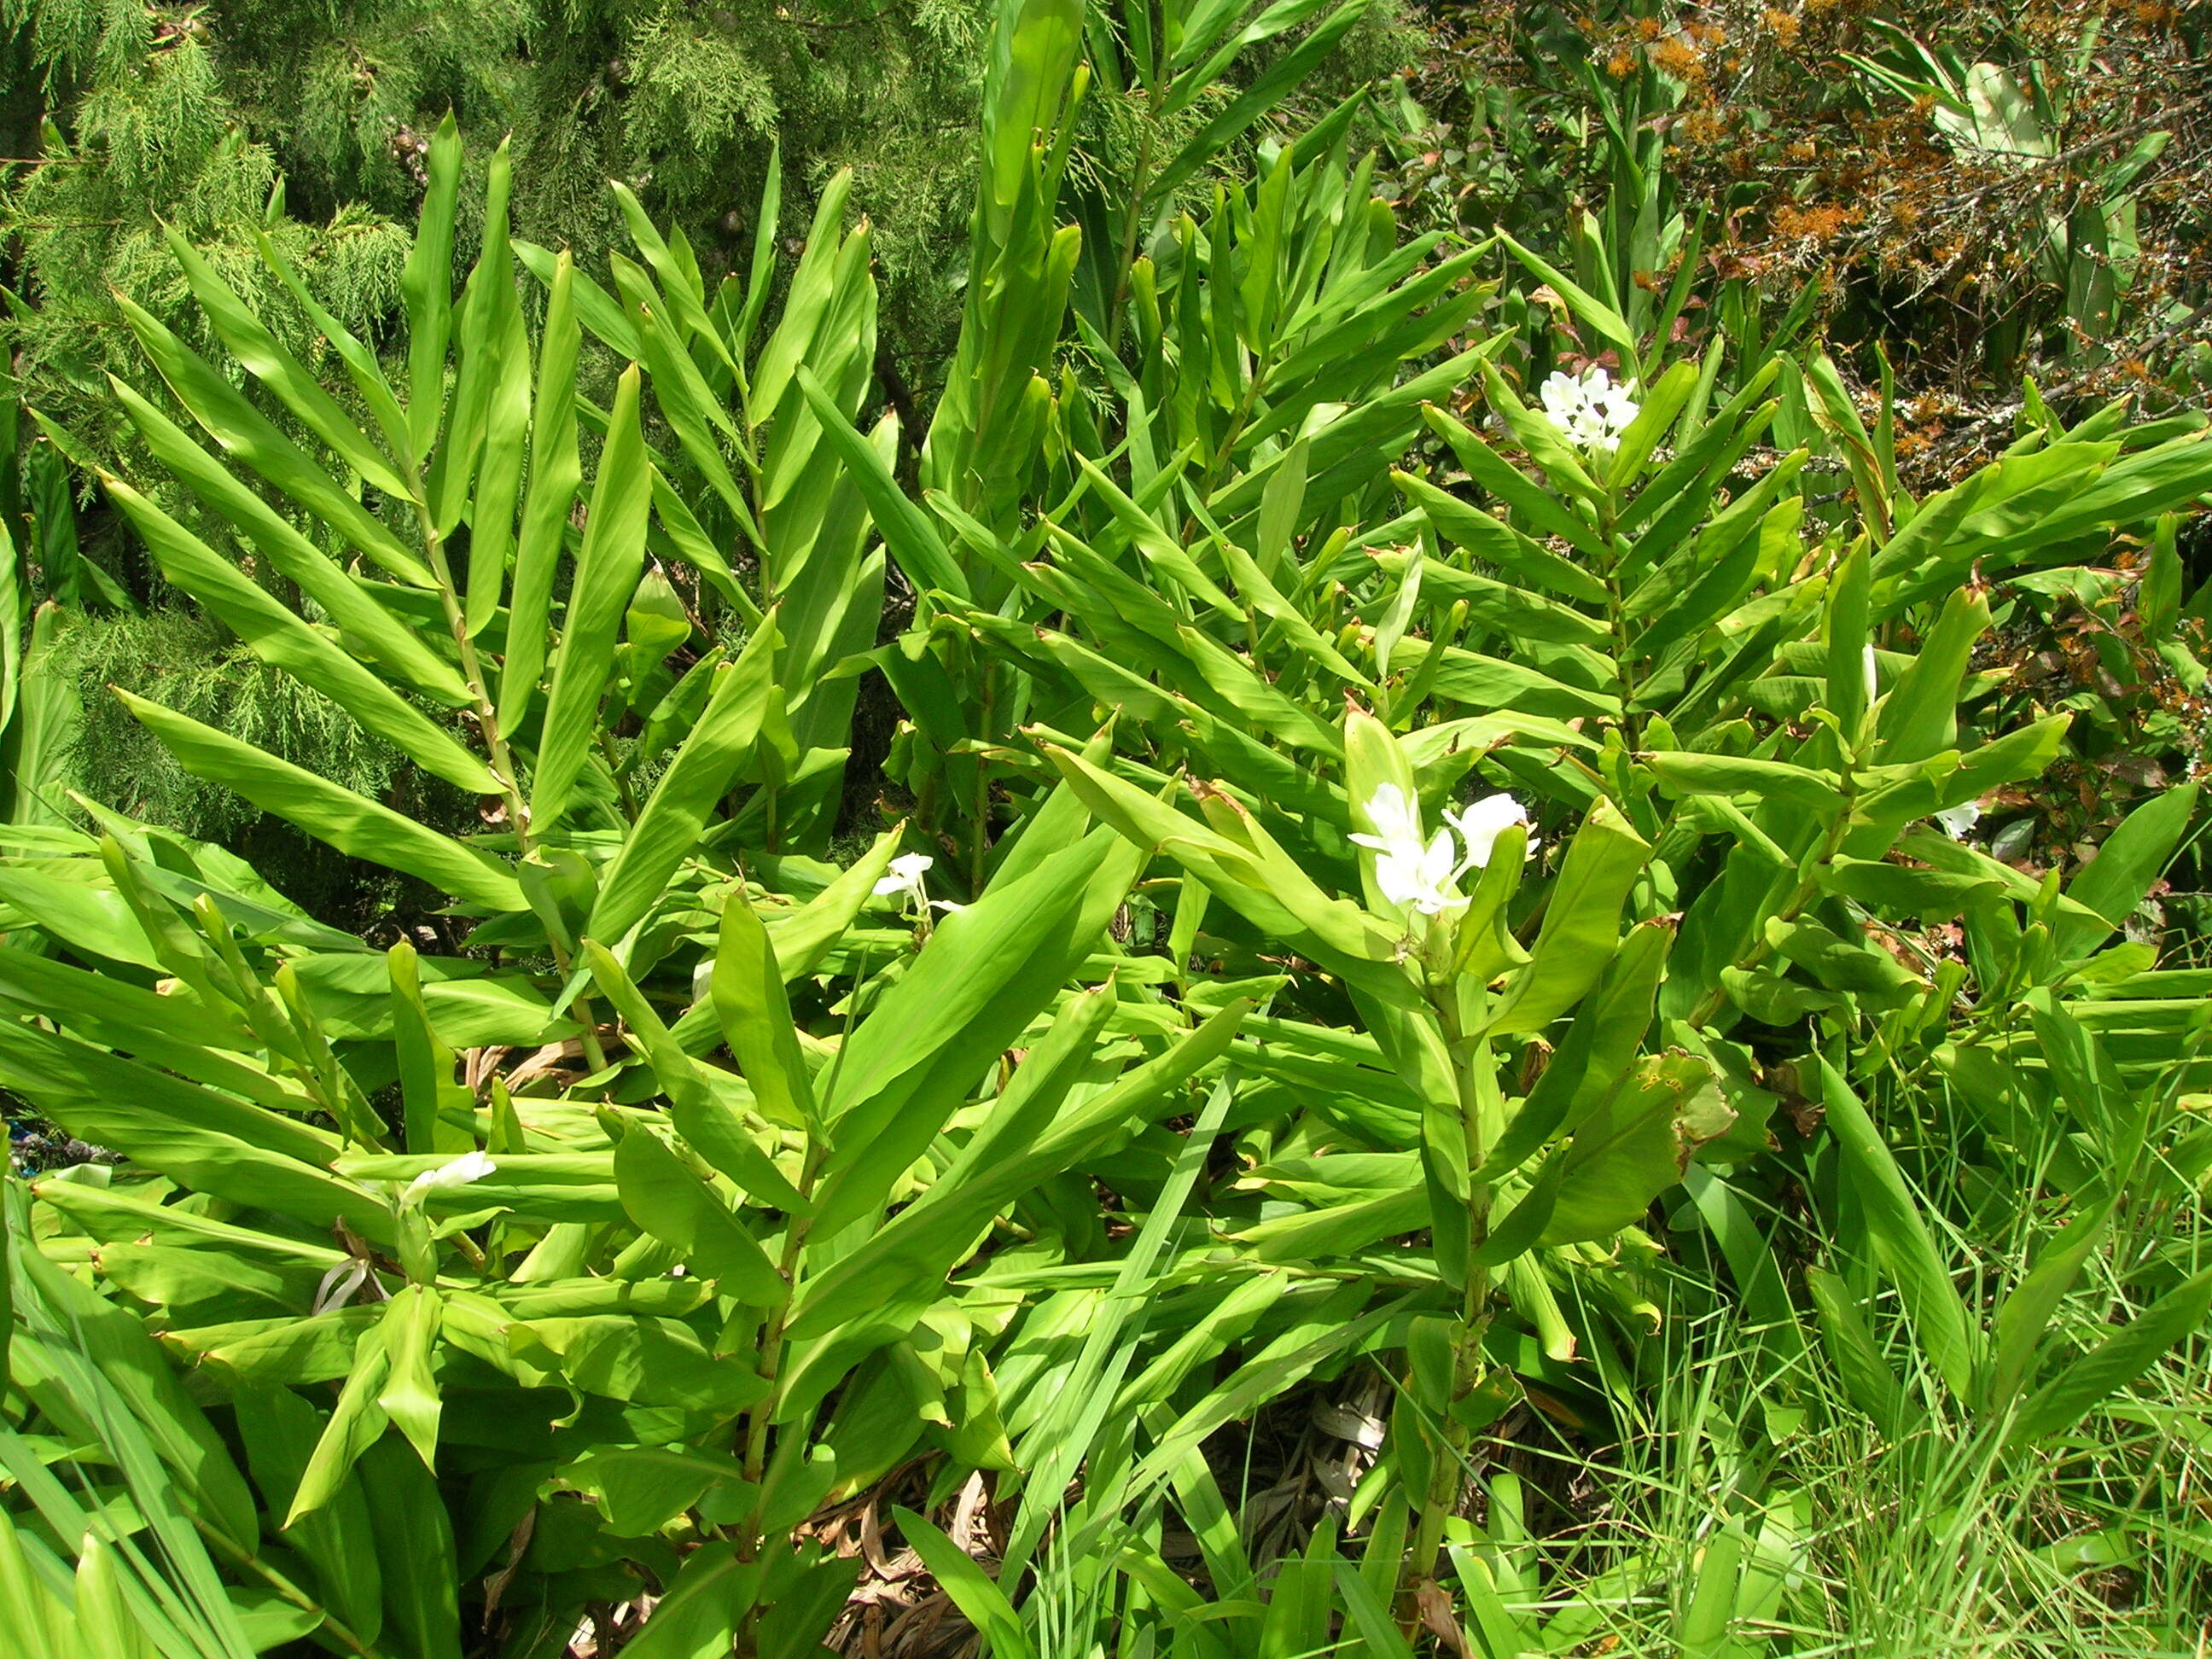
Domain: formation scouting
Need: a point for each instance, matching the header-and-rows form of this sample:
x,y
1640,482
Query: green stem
x,y
1442,1498
486,713
753,1455
1133,222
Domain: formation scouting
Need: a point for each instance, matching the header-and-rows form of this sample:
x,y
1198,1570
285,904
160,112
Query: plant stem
x,y
1445,1476
753,1456
486,714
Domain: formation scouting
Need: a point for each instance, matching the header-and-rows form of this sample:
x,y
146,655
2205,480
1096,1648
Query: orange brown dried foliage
x,y
1952,258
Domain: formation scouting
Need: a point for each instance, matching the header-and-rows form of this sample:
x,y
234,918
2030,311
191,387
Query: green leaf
x,y
136,1376
364,623
244,431
330,813
607,571
555,474
983,1602
670,1202
1901,1239
1681,773
355,1426
268,360
1865,1375
2024,1316
708,1125
335,1538
1601,318
1031,1135
426,287
667,831
415,1536
916,547
746,988
2092,1378
698,1618
1634,1146
1466,525
275,634
641,1489
985,972
2132,858
410,1396
1582,921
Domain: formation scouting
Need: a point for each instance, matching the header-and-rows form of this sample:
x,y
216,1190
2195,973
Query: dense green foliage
x,y
1457,1018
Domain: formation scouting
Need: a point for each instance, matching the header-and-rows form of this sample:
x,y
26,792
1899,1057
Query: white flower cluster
x,y
1590,412
1424,872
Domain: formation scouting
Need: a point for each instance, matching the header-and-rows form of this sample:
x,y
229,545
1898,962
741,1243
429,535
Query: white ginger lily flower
x,y
1873,676
1420,876
1957,820
1396,817
905,876
1482,822
1408,870
455,1172
1590,411
1423,872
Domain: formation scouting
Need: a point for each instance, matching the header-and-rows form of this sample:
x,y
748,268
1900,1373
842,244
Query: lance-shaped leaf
x,y
355,1426
268,360
426,287
988,970
330,813
415,1536
672,1204
335,1538
607,572
916,547
1947,1332
1582,921
1263,884
135,1371
244,431
555,474
361,619
708,1125
755,1015
1635,1145
2090,1379
428,1089
410,1394
275,634
889,1279
667,831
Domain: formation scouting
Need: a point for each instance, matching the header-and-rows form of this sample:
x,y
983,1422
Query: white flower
x,y
1407,869
1590,410
339,1285
1956,821
1482,822
1872,682
456,1172
1396,817
905,876
1421,872
1419,876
